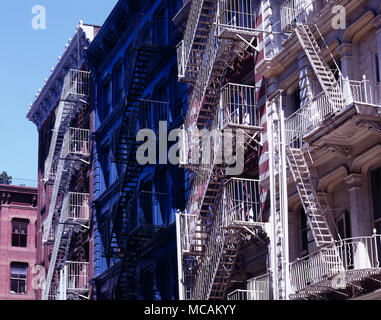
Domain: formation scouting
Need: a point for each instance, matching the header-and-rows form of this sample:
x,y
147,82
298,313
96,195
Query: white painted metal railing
x,y
76,207
238,106
364,91
326,104
180,50
77,142
292,11
241,201
77,276
257,289
354,254
236,15
76,83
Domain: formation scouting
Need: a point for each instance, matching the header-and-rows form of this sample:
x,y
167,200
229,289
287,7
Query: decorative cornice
x,y
333,178
47,98
354,180
340,150
372,126
366,160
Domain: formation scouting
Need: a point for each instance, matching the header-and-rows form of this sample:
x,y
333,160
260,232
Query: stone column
x,y
359,210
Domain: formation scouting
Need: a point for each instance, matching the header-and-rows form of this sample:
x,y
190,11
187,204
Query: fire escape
x,y
221,212
68,211
313,275
128,237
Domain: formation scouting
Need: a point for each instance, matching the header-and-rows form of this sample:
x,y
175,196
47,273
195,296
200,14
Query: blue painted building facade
x,y
134,70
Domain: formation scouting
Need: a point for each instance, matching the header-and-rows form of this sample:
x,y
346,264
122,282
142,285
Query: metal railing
x,y
180,50
361,253
77,142
76,83
326,104
364,91
241,201
76,207
77,276
292,11
151,112
142,209
257,289
238,106
236,15
190,32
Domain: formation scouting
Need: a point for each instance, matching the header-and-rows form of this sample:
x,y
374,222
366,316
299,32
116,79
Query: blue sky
x,y
26,58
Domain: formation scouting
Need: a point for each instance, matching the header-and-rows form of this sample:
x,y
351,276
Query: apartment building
x,y
311,151
18,215
133,63
62,113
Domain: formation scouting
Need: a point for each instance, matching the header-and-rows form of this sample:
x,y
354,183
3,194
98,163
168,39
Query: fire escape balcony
x,y
238,108
75,208
151,113
240,209
77,143
364,96
73,281
237,19
297,10
147,210
76,85
257,289
358,261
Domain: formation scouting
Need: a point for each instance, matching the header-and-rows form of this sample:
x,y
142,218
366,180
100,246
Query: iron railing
x,y
77,142
142,209
292,11
151,112
76,83
236,15
77,276
326,104
354,254
238,106
76,207
257,289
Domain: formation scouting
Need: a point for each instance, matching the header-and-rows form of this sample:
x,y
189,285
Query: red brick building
x,y
18,215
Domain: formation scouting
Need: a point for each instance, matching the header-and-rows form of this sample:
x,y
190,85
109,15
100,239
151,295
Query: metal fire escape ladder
x,y
323,72
310,201
123,245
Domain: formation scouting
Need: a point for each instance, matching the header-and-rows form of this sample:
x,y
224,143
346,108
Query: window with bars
x,y
19,232
18,279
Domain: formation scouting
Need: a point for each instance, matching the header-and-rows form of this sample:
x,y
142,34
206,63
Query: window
x,y
105,156
377,69
106,98
376,194
18,277
118,84
303,232
19,232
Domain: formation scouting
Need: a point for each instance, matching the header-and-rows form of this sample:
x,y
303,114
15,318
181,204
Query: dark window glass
x,y
18,277
19,232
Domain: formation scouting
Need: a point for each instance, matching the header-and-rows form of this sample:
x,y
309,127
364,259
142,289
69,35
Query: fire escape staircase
x,y
69,106
323,72
124,245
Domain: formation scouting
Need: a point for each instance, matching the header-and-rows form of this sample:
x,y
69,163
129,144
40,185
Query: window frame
x,y
19,234
18,278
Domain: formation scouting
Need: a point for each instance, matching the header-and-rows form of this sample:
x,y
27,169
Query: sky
x,y
26,57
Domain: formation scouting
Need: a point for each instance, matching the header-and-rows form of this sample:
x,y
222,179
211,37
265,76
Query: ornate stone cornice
x,y
354,180
366,160
373,126
340,150
47,98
